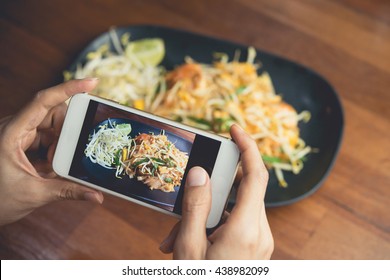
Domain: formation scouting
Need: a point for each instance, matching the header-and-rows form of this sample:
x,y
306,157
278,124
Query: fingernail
x,y
92,79
165,247
165,241
196,177
94,197
238,126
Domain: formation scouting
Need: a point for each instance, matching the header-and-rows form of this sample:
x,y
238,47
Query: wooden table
x,y
346,41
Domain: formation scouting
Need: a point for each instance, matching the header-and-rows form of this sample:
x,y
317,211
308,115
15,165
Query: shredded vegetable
x,y
124,74
105,143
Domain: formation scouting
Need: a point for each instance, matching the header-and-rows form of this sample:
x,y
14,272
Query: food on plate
x,y
213,97
129,74
151,159
105,144
154,160
207,96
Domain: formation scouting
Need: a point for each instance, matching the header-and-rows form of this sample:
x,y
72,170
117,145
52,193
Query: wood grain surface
x,y
346,41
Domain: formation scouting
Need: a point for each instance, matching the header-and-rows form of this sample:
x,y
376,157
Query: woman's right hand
x,y
245,234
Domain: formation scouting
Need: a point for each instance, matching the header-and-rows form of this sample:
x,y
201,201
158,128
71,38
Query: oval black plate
x,y
133,187
299,86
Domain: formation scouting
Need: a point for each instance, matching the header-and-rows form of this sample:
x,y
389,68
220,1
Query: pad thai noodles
x,y
208,96
154,160
151,159
213,97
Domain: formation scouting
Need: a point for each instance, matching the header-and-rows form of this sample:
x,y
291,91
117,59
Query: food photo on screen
x,y
132,155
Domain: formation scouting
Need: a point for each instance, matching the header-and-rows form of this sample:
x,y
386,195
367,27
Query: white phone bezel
x,y
221,182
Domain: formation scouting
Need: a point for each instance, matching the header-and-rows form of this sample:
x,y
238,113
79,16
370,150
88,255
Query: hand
x,y
27,182
245,234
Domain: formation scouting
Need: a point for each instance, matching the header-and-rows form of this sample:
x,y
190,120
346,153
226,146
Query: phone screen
x,y
139,157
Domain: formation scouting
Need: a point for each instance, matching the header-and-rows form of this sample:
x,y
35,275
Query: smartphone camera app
x,y
139,157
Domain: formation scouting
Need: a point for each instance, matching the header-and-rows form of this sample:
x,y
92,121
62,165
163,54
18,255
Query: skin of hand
x,y
26,180
245,232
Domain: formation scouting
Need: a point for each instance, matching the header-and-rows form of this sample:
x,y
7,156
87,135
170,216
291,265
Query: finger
x,y
196,201
49,129
238,177
192,241
43,168
252,163
43,140
48,132
267,245
215,235
60,189
50,151
35,112
54,119
251,191
167,245
225,217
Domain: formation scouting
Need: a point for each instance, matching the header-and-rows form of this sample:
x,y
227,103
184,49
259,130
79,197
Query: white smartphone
x,y
141,157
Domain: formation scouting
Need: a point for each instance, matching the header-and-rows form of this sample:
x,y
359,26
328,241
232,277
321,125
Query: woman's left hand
x,y
27,181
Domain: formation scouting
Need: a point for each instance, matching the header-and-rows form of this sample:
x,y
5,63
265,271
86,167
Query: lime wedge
x,y
148,51
124,128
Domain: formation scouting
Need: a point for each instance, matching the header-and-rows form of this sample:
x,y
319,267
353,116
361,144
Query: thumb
x,y
192,240
60,189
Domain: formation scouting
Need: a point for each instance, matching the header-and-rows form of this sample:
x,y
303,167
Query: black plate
x,y
299,86
133,187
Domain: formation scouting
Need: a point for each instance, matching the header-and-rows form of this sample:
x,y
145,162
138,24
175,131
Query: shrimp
x,y
190,74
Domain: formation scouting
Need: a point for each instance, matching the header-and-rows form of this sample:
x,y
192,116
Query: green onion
x,y
269,159
168,180
240,90
222,124
135,164
170,163
117,157
158,161
178,119
200,121
154,169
